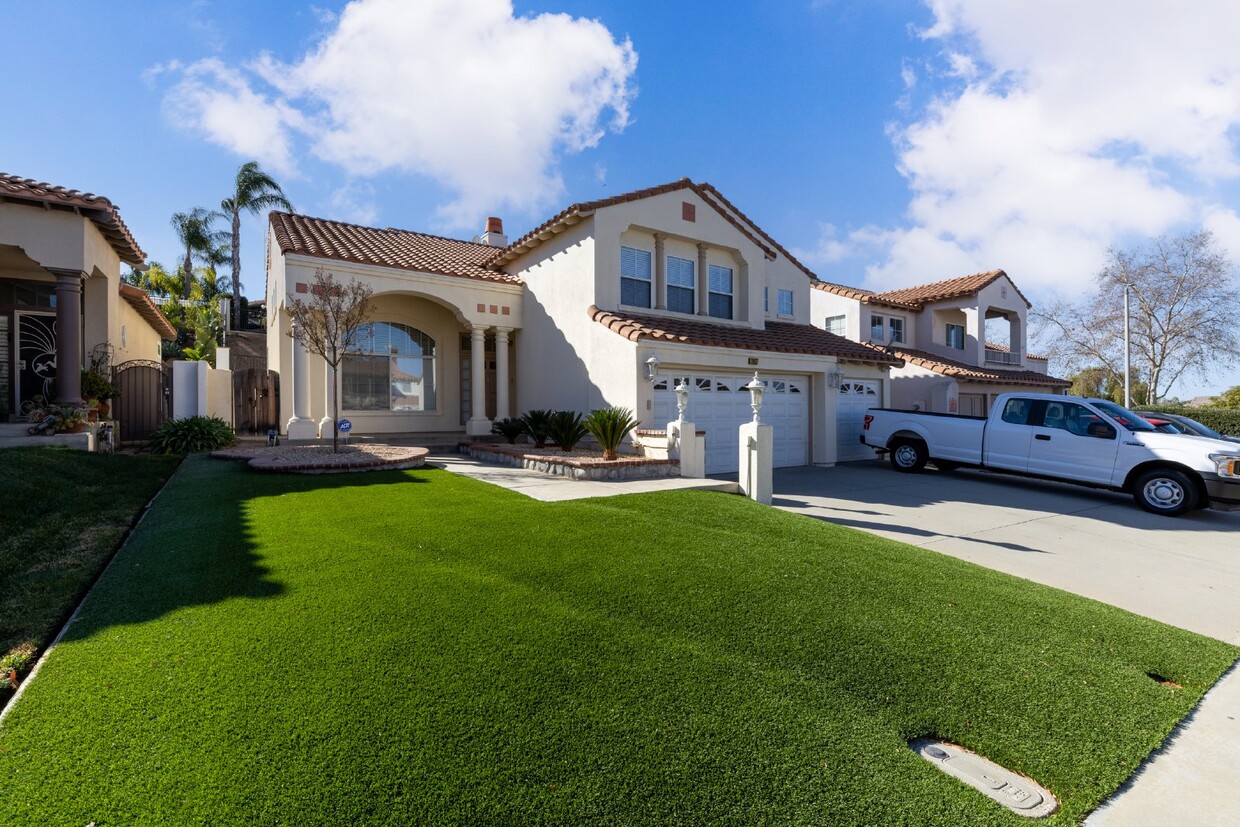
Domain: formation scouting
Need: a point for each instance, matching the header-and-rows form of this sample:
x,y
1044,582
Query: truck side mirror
x,y
1101,430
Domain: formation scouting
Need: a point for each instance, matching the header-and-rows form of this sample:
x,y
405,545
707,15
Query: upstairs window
x,y
835,324
634,277
680,281
896,326
720,283
955,336
785,302
876,328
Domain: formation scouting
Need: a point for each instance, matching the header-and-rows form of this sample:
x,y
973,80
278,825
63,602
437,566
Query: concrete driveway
x,y
1183,571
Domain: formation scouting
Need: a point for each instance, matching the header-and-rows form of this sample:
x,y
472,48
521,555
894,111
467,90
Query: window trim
x,y
691,289
892,321
947,337
648,280
711,292
779,298
878,323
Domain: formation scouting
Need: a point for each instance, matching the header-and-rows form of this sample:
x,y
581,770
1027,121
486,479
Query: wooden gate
x,y
142,405
256,397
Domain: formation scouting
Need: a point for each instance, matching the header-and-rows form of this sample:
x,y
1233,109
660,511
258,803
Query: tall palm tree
x,y
255,192
195,231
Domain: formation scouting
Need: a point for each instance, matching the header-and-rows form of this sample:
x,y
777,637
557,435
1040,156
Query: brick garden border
x,y
574,467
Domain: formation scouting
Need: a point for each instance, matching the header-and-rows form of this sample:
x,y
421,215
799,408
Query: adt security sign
x,y
345,426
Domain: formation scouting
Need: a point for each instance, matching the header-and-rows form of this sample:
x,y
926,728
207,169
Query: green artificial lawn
x,y
419,648
62,513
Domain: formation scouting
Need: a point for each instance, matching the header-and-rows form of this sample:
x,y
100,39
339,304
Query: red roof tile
x,y
401,249
575,213
863,296
914,298
98,209
973,373
146,308
778,337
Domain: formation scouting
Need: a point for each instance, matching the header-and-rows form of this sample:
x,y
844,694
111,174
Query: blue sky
x,y
887,143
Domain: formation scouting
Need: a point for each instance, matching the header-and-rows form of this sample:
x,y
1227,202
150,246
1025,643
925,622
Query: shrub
x,y
193,433
537,425
96,386
610,426
509,428
15,662
567,429
1224,420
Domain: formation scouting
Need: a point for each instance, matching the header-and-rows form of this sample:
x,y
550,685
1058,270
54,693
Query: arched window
x,y
392,368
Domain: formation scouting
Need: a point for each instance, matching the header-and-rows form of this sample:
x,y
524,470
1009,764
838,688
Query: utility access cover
x,y
1012,790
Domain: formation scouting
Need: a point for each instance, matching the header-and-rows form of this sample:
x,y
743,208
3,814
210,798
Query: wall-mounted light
x,y
834,378
652,368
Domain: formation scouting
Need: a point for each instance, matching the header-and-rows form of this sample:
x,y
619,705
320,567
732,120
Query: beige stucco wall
x,y
134,337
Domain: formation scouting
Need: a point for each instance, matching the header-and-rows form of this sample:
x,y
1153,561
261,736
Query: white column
x,y
478,423
502,410
301,426
328,423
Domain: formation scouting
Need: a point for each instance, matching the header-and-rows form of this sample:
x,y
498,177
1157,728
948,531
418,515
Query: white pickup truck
x,y
1086,441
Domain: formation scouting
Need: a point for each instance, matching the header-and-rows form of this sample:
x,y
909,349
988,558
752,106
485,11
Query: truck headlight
x,y
1228,465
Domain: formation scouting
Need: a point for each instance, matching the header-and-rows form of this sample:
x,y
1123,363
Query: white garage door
x,y
719,405
856,395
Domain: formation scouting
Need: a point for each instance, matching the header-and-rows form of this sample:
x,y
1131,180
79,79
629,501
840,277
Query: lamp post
x,y
755,387
1127,355
682,399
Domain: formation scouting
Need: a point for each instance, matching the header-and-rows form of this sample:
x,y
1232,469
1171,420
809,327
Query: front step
x,y
14,435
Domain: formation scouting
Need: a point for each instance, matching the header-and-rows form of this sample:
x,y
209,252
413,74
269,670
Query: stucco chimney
x,y
494,236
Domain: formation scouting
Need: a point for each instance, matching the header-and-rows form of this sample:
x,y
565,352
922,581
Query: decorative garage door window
x,y
391,369
862,388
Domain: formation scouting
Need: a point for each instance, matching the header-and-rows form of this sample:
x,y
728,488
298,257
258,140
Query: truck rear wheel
x,y
909,455
1165,491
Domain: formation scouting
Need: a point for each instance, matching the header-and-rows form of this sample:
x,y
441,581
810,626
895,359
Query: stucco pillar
x,y
703,284
501,373
301,426
660,274
69,336
328,423
478,423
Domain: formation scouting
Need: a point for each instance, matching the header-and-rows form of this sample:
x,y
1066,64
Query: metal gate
x,y
256,396
142,404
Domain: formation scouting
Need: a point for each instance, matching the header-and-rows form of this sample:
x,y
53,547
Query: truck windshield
x,y
1123,416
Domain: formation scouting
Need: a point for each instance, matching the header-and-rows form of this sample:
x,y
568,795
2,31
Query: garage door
x,y
719,405
856,395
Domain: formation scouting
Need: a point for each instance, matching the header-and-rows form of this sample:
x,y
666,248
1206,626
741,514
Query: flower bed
x,y
579,465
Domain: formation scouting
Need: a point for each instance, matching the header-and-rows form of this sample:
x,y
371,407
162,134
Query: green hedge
x,y
1224,420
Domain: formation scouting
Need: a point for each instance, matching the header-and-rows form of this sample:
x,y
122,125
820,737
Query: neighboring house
x,y
610,302
947,334
61,293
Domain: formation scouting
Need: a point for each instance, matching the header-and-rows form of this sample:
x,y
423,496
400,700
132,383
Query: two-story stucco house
x,y
609,302
61,293
950,335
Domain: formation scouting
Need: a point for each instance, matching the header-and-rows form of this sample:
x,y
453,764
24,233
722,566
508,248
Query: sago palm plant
x,y
610,426
567,429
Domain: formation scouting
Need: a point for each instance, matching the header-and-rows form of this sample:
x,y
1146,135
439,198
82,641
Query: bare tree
x,y
333,321
1184,303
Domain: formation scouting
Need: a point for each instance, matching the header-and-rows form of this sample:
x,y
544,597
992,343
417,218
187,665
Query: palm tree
x,y
195,232
255,191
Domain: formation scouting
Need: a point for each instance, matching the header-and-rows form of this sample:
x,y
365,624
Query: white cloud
x,y
1064,128
467,94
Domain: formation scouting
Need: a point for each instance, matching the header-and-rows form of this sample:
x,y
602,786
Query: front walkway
x,y
549,488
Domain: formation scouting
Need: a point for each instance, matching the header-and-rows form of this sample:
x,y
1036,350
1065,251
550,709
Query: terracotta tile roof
x,y
98,209
952,288
401,249
914,298
575,213
778,337
863,296
973,373
1006,349
147,309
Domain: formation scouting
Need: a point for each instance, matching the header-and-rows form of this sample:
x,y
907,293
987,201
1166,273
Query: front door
x,y
36,356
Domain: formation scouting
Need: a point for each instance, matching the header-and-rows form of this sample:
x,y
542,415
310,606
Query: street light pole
x,y
1127,355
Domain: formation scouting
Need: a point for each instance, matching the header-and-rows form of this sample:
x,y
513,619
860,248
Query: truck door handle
x,y
1045,437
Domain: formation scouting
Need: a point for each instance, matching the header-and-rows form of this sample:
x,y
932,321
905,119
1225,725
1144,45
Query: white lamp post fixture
x,y
652,369
682,400
755,387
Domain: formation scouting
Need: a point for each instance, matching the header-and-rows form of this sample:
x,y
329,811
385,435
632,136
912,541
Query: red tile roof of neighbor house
x,y
576,212
1006,349
98,209
146,308
973,373
778,337
401,249
915,298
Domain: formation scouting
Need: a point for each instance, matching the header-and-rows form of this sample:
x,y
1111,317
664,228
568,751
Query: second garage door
x,y
719,404
856,396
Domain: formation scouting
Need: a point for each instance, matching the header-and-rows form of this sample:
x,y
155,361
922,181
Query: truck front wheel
x,y
1165,491
909,455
